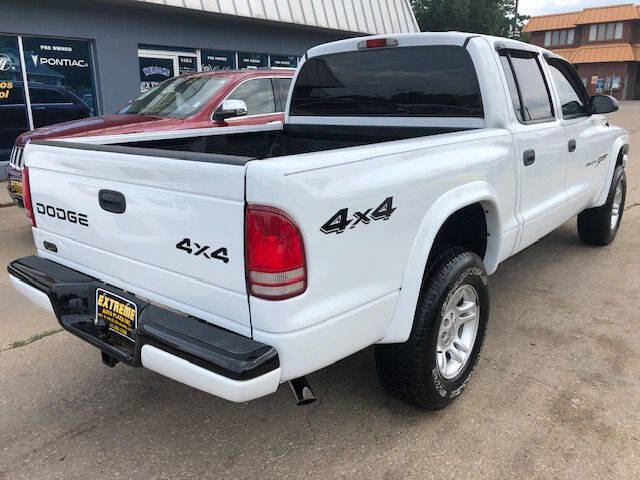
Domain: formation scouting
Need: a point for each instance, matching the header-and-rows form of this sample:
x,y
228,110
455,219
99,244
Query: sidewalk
x,y
5,199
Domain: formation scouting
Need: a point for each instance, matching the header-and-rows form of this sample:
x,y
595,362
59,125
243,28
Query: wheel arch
x,y
446,207
618,151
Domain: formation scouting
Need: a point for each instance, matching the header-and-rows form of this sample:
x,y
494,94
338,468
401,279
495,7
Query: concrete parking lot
x,y
555,395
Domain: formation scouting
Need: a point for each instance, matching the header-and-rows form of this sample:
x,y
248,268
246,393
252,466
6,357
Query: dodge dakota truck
x,y
408,167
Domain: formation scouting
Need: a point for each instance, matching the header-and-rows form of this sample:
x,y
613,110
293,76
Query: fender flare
x,y
435,217
621,142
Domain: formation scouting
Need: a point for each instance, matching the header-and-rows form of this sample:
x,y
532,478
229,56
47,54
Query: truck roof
x,y
420,39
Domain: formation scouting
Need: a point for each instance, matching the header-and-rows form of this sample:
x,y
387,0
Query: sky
x,y
542,7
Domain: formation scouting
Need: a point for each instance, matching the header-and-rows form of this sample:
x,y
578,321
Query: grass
x,y
33,338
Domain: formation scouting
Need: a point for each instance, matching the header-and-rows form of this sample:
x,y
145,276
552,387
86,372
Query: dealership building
x,y
107,52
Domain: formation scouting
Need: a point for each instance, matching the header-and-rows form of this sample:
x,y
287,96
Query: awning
x,y
619,52
616,13
552,22
375,17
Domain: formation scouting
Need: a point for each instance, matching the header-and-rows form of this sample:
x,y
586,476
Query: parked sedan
x,y
181,103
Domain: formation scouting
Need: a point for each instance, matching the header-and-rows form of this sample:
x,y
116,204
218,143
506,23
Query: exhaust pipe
x,y
302,391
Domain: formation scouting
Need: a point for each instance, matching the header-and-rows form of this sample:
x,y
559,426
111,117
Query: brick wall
x,y
604,70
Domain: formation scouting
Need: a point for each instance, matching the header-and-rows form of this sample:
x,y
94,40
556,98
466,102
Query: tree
x,y
516,21
492,17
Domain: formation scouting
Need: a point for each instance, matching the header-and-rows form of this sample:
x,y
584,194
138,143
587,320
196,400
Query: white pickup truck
x,y
408,167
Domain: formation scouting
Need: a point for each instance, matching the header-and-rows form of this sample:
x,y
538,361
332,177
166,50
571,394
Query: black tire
x,y
409,371
594,225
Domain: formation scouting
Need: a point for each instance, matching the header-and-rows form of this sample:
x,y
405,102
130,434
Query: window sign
x,y
286,61
187,64
252,60
615,83
60,70
13,110
217,60
154,71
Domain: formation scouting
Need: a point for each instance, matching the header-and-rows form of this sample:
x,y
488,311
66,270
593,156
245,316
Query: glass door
x,y
158,66
14,118
155,69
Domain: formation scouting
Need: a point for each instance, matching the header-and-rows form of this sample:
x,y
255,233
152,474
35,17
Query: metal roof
x,y
567,53
552,22
615,13
358,16
617,52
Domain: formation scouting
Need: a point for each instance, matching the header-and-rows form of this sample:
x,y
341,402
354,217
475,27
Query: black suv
x,y
49,103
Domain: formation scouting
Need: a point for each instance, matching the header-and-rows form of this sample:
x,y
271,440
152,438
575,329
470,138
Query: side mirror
x,y
230,109
600,104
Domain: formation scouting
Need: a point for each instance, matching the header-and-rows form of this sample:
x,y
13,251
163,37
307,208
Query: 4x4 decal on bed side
x,y
339,222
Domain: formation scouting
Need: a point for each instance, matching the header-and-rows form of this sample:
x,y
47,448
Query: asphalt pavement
x,y
555,394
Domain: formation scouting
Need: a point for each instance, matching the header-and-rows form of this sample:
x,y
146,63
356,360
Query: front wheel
x,y
433,367
599,226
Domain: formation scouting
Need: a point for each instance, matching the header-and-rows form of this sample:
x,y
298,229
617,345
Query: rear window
x,y
392,82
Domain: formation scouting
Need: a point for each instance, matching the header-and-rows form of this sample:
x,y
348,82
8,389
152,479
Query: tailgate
x,y
179,241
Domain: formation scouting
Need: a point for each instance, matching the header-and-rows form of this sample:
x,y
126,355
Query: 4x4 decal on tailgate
x,y
339,222
197,250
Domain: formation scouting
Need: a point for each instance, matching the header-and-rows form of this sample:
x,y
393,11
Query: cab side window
x,y
257,94
528,84
573,96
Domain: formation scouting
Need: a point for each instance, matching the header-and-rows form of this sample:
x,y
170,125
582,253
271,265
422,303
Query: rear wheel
x,y
433,367
599,226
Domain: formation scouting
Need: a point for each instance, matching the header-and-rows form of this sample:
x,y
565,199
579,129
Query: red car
x,y
181,103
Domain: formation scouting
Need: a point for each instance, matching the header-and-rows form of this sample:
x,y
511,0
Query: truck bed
x,y
291,140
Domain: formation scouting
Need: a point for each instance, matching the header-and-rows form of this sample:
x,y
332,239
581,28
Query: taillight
x,y
26,196
378,43
276,266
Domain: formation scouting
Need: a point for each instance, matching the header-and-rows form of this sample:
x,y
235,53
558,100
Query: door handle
x,y
529,158
111,201
572,146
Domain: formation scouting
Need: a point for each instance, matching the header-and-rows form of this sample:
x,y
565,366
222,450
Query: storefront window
x,y
187,64
13,109
217,60
60,76
252,60
286,61
154,71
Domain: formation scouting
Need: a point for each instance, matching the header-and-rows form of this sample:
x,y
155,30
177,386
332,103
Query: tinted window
x,y
15,95
534,94
13,111
45,95
257,94
570,89
513,89
62,63
409,81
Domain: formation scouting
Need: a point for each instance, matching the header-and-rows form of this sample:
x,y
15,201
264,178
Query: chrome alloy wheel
x,y
458,331
617,205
